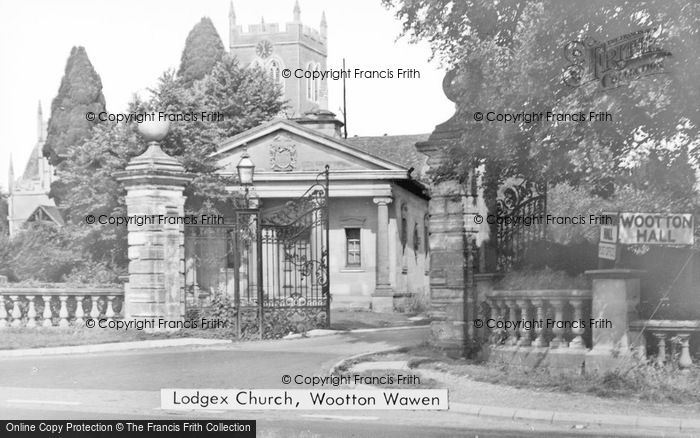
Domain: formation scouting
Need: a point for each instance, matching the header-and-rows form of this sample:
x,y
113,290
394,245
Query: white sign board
x,y
656,229
607,251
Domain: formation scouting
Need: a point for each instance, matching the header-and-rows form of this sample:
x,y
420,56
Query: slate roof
x,y
52,212
400,149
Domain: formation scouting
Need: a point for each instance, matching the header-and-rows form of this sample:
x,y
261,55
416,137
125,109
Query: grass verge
x,y
643,382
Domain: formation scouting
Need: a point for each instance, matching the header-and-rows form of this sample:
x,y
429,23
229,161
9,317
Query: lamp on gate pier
x,y
246,170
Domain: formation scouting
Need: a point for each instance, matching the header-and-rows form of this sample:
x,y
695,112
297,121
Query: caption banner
x,y
289,399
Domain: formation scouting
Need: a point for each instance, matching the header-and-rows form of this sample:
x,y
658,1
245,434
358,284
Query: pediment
x,y
286,147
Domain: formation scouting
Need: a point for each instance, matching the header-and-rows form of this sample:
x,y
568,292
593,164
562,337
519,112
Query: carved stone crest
x,y
283,154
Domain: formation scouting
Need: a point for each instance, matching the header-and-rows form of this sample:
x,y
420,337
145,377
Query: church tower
x,y
297,48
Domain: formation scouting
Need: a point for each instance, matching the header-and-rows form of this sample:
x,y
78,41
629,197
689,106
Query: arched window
x,y
309,84
312,84
274,68
315,87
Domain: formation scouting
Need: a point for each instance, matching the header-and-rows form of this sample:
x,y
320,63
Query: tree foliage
x,y
241,98
245,97
42,252
510,55
4,225
203,49
80,92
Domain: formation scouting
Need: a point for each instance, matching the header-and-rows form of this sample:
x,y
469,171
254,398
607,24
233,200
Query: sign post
x,y
608,246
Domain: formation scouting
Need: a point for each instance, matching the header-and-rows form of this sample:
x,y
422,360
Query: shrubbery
x,y
546,278
48,254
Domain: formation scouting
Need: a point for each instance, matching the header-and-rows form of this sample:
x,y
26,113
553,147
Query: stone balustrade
x,y
539,318
31,307
669,336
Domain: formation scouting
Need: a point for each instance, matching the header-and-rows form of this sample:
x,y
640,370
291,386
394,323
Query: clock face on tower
x,y
264,49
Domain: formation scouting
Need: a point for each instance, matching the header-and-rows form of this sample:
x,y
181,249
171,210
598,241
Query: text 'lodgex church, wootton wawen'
x,y
379,254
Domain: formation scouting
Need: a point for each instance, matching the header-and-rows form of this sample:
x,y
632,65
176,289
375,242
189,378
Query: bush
x,y
42,253
222,308
93,272
546,278
574,258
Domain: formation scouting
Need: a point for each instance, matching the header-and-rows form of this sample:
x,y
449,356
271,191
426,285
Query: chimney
x,y
323,121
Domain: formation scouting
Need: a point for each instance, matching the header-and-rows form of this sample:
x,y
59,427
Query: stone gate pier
x,y
155,182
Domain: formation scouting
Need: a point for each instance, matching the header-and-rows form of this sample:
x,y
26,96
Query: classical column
x,y
383,296
154,182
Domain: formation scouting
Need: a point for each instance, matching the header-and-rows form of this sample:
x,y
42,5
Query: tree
x,y
510,55
80,92
245,97
4,225
203,49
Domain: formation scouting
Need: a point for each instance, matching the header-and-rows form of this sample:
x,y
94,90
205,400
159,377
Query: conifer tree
x,y
203,49
80,92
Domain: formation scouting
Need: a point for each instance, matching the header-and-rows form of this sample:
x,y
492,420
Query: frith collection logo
x,y
615,62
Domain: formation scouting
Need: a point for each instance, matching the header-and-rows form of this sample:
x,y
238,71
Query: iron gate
x,y
266,272
522,214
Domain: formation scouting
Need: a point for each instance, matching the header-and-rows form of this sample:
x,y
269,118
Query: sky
x,y
131,42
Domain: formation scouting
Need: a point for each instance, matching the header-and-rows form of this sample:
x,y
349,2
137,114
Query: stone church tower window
x,y
297,47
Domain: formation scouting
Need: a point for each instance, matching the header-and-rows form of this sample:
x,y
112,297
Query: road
x,y
126,385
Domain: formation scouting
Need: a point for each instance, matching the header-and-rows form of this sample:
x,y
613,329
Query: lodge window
x,y
426,234
353,247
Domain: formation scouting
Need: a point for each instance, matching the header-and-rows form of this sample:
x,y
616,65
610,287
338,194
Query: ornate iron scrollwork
x,y
273,265
521,213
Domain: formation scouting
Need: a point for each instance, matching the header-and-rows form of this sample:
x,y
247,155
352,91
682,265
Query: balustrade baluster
x,y
16,311
558,331
79,311
109,313
3,312
685,361
494,316
525,332
499,305
539,329
512,316
661,353
31,312
94,309
578,330
48,314
63,312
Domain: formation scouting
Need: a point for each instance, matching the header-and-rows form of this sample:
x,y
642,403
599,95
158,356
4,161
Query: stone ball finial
x,y
154,130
